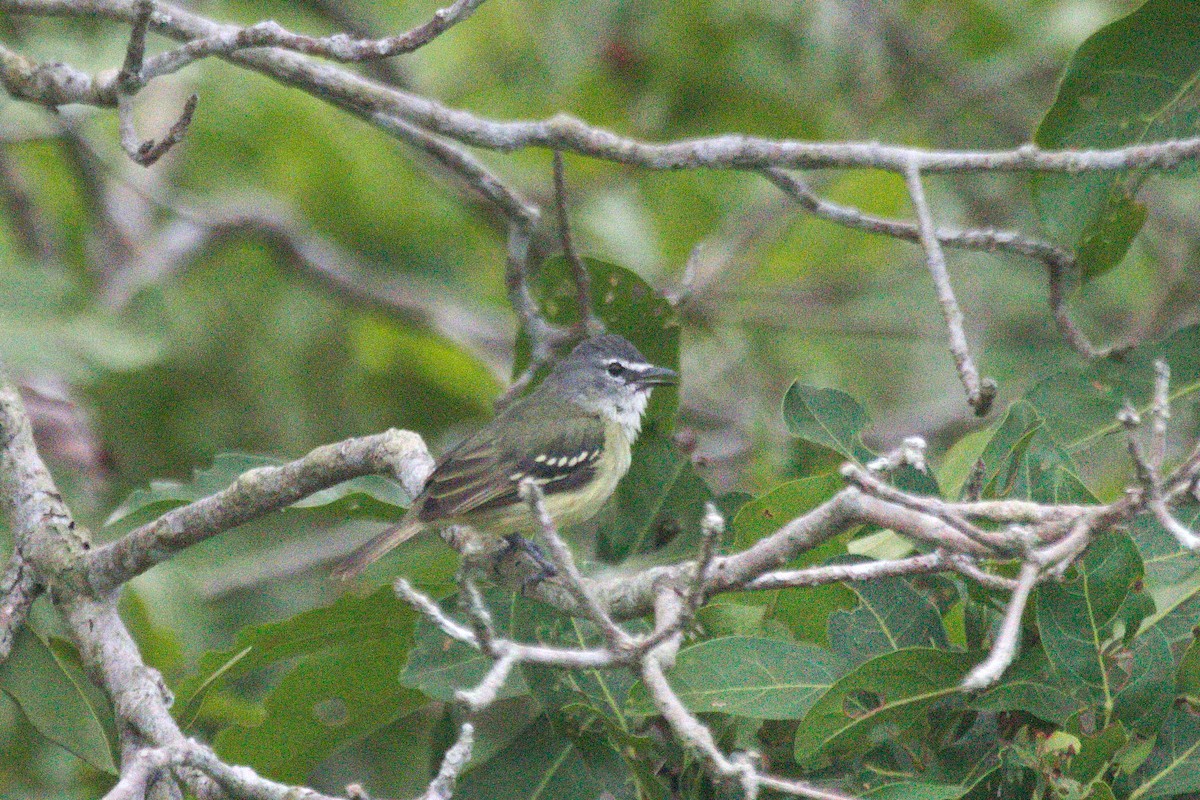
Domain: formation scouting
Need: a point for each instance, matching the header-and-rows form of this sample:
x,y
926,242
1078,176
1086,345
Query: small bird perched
x,y
571,436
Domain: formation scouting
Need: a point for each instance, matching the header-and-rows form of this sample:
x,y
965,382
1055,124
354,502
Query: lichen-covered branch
x,y
255,493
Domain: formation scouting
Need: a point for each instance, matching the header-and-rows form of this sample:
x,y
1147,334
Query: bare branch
x,y
872,570
1060,264
588,321
1160,412
255,493
1147,472
18,590
374,102
869,483
980,394
339,47
453,763
568,571
1004,649
149,151
240,782
130,77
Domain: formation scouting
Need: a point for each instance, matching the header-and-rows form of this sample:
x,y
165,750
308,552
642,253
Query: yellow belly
x,y
567,508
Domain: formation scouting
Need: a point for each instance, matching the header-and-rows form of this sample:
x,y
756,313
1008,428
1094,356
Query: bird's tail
x,y
355,563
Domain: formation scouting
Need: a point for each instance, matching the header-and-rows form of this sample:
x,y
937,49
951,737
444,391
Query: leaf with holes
x,y
343,684
892,692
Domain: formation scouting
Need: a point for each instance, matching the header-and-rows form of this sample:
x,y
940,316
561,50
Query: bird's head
x,y
607,375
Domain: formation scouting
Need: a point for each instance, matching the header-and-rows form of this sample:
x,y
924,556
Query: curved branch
x,y
258,492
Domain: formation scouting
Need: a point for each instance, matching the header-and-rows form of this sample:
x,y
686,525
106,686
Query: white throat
x,y
627,412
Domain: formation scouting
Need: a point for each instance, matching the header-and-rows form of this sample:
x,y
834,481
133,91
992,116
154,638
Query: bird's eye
x,y
615,368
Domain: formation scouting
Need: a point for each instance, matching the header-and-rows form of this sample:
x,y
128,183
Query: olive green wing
x,y
559,451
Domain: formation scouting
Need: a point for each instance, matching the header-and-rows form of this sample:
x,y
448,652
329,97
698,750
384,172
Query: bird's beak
x,y
657,376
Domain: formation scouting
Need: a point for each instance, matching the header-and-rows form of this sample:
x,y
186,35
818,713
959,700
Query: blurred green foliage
x,y
243,349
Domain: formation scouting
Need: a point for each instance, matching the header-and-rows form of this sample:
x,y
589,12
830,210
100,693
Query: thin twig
x,y
1004,649
1160,413
980,394
1059,263
339,47
589,323
568,571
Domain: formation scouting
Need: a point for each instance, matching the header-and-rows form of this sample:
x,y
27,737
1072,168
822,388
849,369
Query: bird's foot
x,y
516,543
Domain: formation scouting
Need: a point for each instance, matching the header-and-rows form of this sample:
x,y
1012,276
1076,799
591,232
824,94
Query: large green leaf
x,y
767,513
1173,768
540,764
892,692
343,685
1079,405
325,702
627,305
43,675
349,619
657,506
890,615
750,677
1133,81
1031,685
1075,618
827,417
372,496
1172,574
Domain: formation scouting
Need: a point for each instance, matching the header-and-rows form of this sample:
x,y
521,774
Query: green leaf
x,y
915,790
1023,461
627,305
371,496
891,693
826,417
48,683
440,666
890,615
1075,618
540,764
342,686
1079,405
1031,685
749,677
1173,767
1096,753
603,690
767,513
1148,690
1172,574
325,702
1133,81
1187,678
349,618
657,506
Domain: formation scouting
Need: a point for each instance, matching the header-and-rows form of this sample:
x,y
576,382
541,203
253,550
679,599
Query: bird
x,y
572,436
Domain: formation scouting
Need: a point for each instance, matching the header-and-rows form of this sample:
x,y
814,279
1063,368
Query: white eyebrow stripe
x,y
639,366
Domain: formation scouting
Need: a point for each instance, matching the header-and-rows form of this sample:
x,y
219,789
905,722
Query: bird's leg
x,y
515,542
